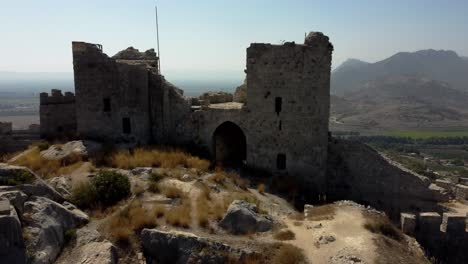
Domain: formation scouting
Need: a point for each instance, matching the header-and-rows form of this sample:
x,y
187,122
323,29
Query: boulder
x,y
12,248
15,175
61,185
46,223
243,218
182,247
80,148
16,198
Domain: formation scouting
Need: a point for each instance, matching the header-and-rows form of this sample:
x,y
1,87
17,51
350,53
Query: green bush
x,y
69,235
20,177
84,195
110,187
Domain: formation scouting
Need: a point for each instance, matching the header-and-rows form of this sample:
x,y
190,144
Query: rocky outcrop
x,y
12,248
71,150
16,198
359,173
182,247
45,224
243,218
216,97
61,185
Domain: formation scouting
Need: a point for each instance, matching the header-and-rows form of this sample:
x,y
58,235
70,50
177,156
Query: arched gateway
x,y
229,144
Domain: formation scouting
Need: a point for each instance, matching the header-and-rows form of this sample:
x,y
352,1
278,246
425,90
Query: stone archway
x,y
229,144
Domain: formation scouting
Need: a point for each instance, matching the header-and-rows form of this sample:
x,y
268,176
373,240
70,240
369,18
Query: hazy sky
x,y
208,38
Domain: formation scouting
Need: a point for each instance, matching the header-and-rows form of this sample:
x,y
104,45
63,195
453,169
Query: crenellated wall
x,y
57,115
445,237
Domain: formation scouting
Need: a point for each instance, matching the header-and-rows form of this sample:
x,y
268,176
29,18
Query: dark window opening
x,y
107,105
281,162
280,126
126,128
278,104
59,129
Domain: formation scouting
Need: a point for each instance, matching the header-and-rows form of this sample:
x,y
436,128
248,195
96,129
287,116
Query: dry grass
x,y
221,176
180,216
138,190
171,191
48,168
285,235
34,161
203,210
261,188
380,224
165,158
297,223
297,216
122,225
288,254
154,187
324,212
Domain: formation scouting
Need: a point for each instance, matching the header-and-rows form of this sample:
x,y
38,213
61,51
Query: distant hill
x,y
439,65
402,102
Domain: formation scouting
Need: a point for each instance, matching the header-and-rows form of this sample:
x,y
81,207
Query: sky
x,y
207,39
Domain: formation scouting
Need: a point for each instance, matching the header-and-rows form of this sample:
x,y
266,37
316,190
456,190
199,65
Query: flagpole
x,y
157,39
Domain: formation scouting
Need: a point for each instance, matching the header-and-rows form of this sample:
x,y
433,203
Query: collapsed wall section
x,y
57,115
359,173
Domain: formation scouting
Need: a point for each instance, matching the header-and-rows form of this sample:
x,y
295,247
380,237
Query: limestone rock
x,y
12,248
46,223
11,175
216,97
242,218
182,247
16,198
81,148
61,185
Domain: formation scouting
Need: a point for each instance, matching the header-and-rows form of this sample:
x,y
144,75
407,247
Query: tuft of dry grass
x,y
297,216
323,212
154,187
180,216
220,177
171,191
122,225
203,209
165,158
261,188
289,254
284,235
380,224
138,190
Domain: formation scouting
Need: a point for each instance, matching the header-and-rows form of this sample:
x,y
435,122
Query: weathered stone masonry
x,y
57,115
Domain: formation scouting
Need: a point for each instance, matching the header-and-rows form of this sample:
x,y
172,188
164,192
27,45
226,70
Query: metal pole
x,y
157,39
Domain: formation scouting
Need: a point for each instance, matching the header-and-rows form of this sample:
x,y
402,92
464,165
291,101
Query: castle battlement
x,y
56,97
434,224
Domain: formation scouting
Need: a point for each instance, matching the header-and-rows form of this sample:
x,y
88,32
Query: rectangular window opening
x,y
278,104
126,127
107,104
280,125
281,161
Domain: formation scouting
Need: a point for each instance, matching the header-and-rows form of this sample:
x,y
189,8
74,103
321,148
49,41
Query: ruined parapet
x,y
216,97
6,128
461,192
444,237
57,115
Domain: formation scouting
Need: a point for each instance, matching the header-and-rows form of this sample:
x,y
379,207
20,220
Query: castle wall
x,y
57,115
359,173
124,98
442,236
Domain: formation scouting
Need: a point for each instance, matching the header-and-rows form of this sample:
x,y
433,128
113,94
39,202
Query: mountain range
x,y
419,90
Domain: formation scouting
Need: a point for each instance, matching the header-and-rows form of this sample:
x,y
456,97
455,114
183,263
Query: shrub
x,y
84,195
284,235
154,187
69,235
20,177
289,254
110,187
180,216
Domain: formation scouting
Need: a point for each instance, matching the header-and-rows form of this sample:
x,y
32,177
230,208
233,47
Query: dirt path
x,y
346,227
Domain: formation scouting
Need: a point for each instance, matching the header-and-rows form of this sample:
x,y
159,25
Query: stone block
x,y
408,223
453,223
461,192
4,207
429,222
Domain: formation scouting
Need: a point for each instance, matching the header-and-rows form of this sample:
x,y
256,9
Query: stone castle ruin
x,y
277,121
